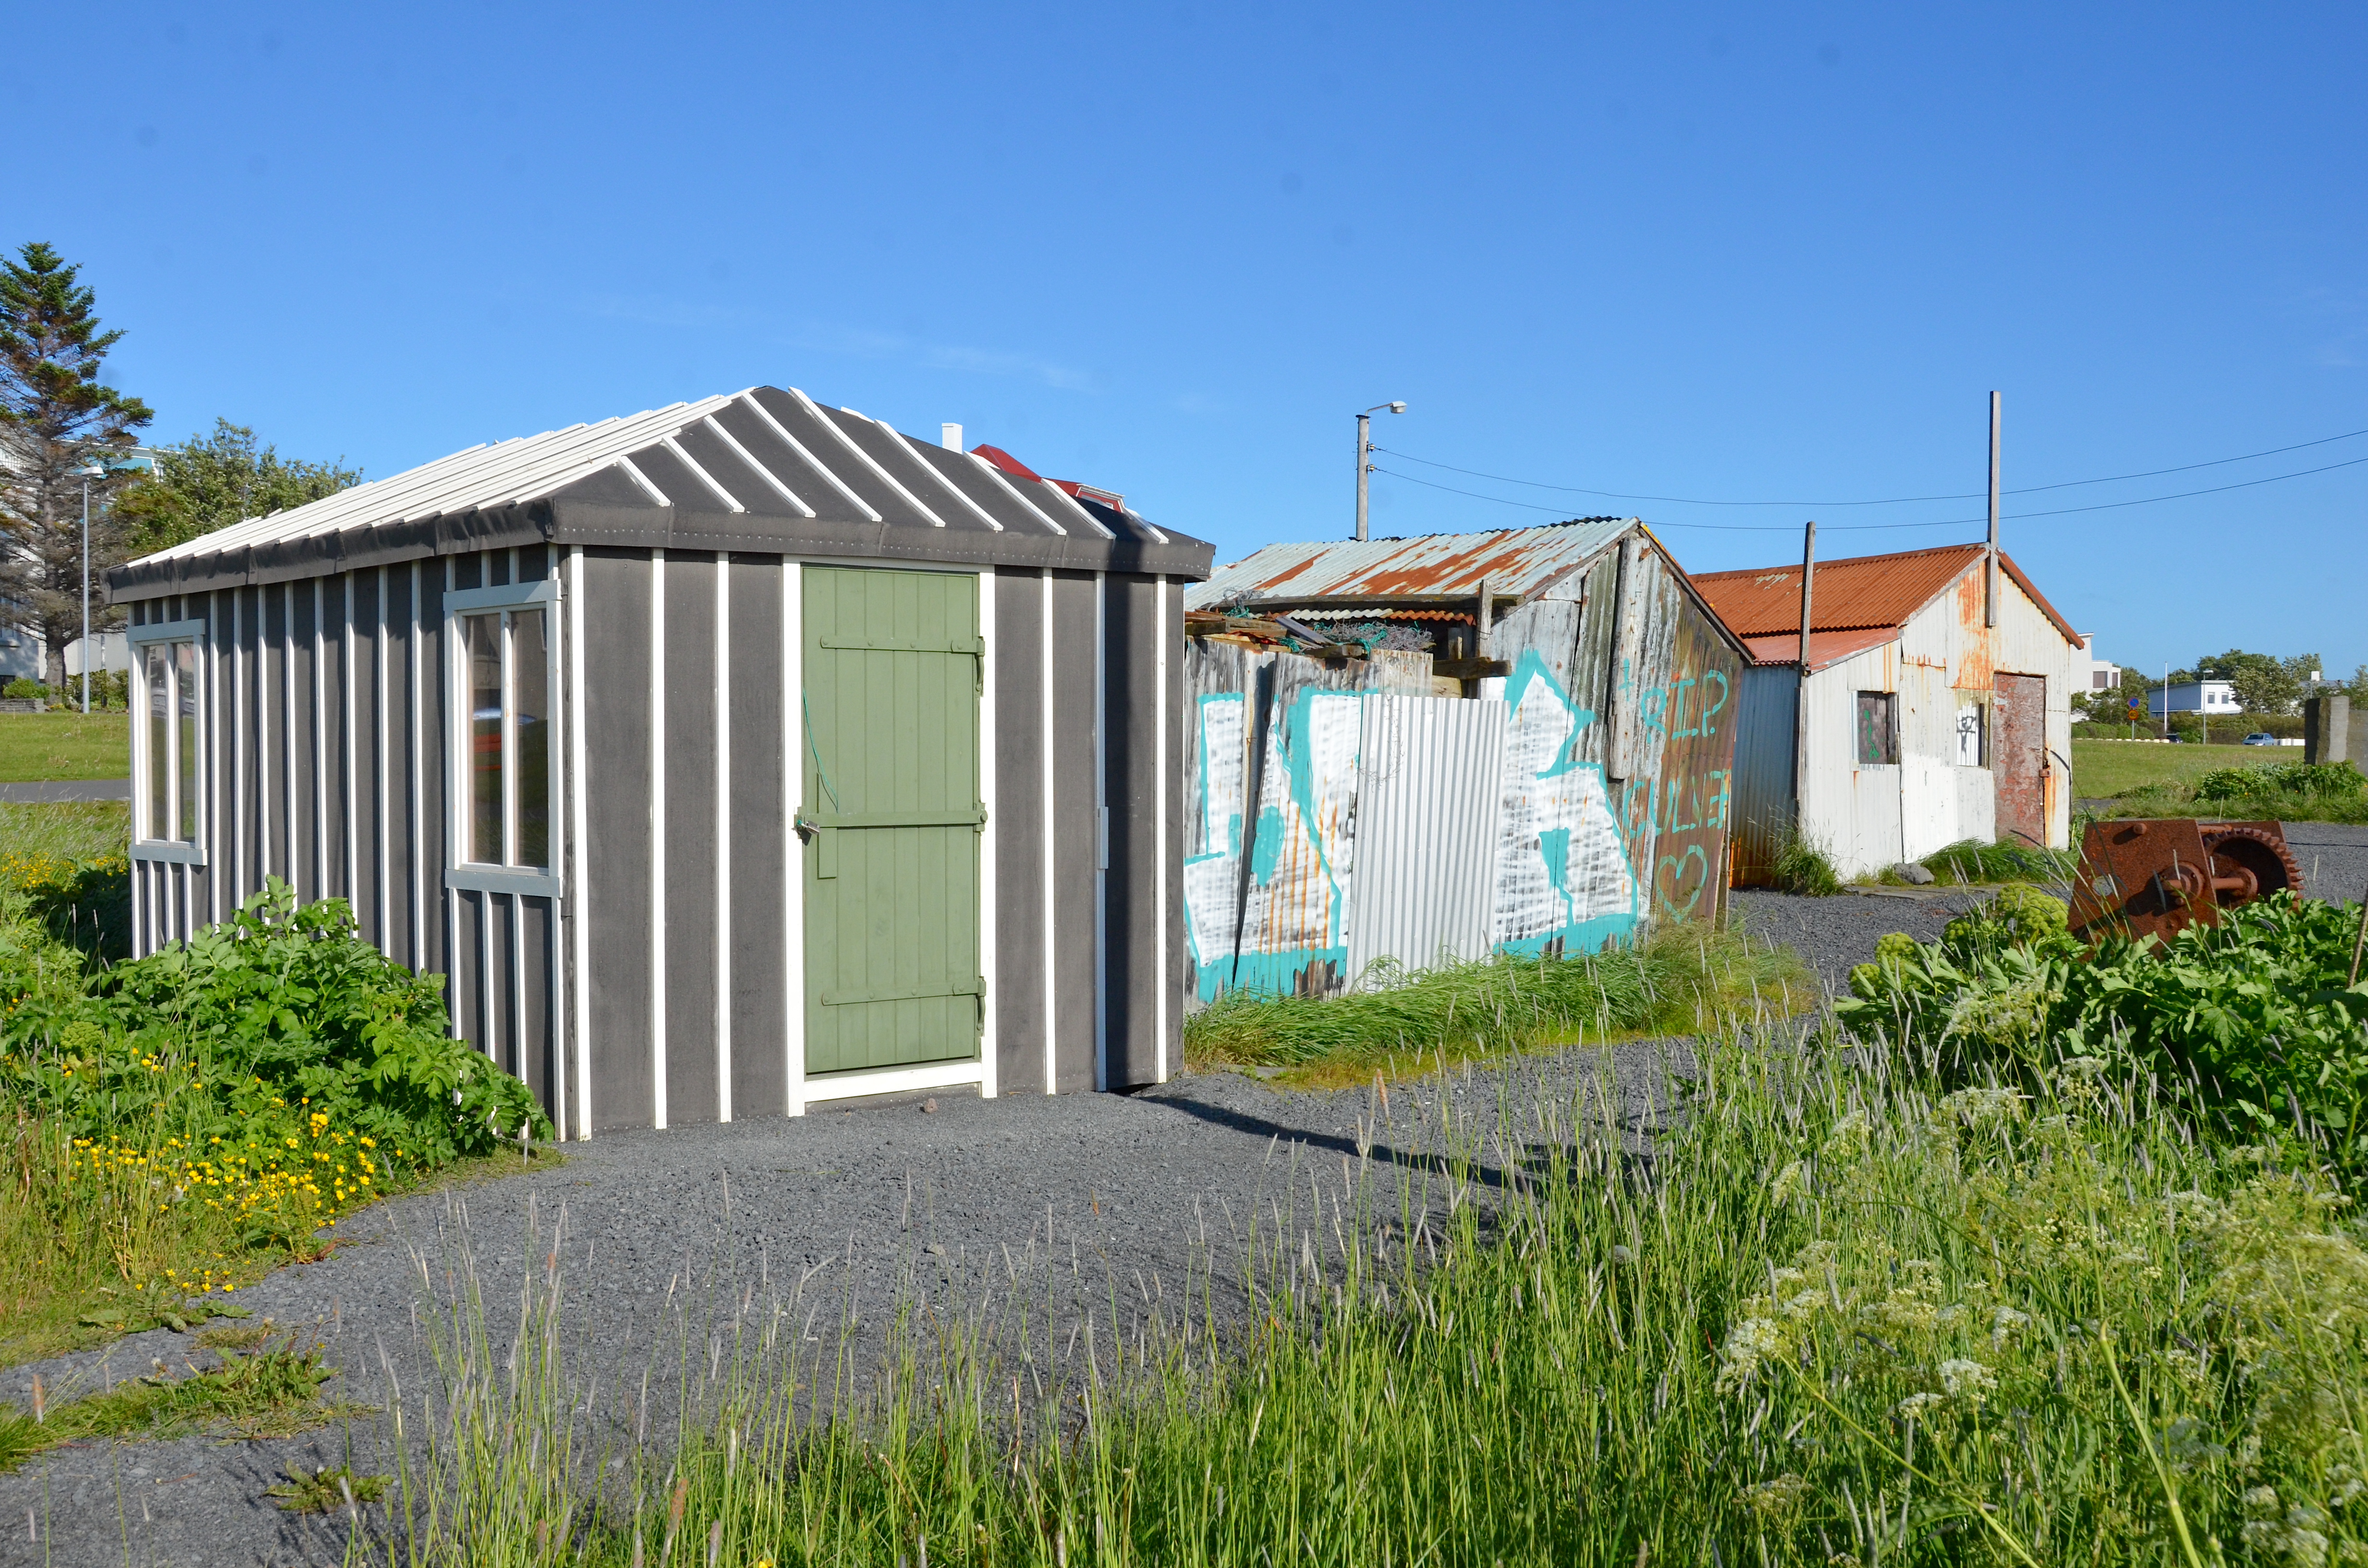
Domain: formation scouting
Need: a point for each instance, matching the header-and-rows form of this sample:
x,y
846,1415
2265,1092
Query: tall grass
x,y
1678,979
1834,1317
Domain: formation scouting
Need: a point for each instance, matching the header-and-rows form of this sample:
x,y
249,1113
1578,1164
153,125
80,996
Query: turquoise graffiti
x,y
1677,824
1286,926
1564,881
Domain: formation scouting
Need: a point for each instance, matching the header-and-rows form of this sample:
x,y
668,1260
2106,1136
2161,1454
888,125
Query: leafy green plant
x,y
325,1490
1971,860
2337,779
269,1392
2254,1012
24,687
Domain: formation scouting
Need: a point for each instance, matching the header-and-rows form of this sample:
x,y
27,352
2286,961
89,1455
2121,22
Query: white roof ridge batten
x,y
554,470
812,462
245,528
638,477
766,474
731,501
1071,501
1012,490
896,439
867,460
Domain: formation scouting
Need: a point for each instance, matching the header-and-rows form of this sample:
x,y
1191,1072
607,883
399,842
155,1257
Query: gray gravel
x,y
2333,857
1090,1199
1832,934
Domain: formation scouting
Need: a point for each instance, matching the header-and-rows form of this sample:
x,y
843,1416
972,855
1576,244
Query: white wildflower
x,y
1787,1185
2085,1068
1915,1404
1966,1380
1849,1139
1748,1342
2195,1210
2005,1320
1622,1255
2297,1533
1775,1499
1983,1107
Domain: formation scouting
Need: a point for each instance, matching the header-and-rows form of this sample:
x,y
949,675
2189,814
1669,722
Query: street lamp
x,y
89,471
1365,452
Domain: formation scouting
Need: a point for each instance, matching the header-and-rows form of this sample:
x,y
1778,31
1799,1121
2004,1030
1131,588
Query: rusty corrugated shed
x,y
1857,593
1514,561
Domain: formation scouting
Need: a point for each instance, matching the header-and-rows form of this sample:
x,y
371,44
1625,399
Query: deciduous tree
x,y
212,482
56,417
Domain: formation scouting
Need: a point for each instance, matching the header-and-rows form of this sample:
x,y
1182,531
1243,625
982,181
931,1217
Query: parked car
x,y
2260,738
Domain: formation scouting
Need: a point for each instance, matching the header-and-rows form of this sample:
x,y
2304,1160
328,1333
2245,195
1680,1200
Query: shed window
x,y
166,767
1878,727
508,738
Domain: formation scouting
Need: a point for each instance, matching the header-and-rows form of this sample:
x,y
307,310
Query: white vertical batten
x,y
579,886
1159,827
554,687
1101,834
722,836
353,771
1051,977
237,746
288,719
320,751
793,887
378,648
262,744
988,1082
514,971
415,699
210,746
454,734
657,840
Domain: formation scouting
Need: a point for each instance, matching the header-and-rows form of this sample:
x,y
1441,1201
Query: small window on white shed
x,y
1972,737
168,751
1878,728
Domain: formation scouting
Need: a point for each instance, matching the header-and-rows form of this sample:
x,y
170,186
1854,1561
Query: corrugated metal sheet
x,y
1855,592
1517,562
1430,773
1825,647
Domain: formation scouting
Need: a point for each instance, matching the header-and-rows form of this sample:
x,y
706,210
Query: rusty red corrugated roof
x,y
1857,592
1516,561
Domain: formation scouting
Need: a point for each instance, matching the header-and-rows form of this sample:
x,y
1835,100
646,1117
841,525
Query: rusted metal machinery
x,y
2159,876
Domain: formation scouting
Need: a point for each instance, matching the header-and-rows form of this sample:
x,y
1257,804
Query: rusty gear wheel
x,y
2242,855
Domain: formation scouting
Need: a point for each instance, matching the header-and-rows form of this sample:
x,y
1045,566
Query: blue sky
x,y
1748,253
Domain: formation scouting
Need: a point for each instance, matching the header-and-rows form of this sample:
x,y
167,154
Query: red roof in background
x,y
1865,593
1825,647
1006,462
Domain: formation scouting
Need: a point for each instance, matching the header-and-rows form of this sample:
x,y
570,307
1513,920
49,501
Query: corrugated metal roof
x,y
748,470
1514,561
1825,647
1857,593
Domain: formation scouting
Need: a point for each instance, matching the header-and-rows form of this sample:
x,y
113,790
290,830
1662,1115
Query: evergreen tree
x,y
212,482
56,417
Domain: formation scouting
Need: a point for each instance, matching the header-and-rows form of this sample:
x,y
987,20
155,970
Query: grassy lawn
x,y
72,830
2109,767
35,747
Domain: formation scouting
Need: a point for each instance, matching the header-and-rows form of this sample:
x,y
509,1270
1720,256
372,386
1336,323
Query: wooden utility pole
x,y
1801,712
1990,614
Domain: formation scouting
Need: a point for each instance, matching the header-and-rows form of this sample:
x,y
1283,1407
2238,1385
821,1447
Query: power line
x,y
1888,501
1943,523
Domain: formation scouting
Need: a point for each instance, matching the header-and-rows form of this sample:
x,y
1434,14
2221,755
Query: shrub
x,y
1803,867
2310,780
2254,1012
1971,860
26,687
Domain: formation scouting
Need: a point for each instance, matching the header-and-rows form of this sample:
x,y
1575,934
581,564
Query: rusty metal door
x,y
2021,759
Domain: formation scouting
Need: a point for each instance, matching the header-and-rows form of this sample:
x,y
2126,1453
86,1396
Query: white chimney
x,y
950,438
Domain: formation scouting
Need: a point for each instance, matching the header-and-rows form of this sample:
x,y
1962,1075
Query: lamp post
x,y
1365,453
87,471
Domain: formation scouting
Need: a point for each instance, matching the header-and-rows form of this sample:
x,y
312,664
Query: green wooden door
x,y
891,817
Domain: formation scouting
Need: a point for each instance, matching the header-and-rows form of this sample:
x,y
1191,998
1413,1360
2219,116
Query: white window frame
x,y
187,852
478,875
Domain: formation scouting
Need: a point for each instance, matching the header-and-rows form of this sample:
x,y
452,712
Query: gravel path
x,y
1082,1198
2333,857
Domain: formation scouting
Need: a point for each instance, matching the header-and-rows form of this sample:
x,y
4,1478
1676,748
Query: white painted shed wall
x,y
1868,817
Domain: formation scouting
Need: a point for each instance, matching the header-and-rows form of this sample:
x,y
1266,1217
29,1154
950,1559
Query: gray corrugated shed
x,y
763,470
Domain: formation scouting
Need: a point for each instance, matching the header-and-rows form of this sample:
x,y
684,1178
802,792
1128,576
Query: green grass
x,y
266,1392
1842,1316
1970,860
1396,1023
2102,768
71,830
35,747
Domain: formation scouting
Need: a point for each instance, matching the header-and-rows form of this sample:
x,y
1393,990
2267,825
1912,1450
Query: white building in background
x,y
2101,677
2209,697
